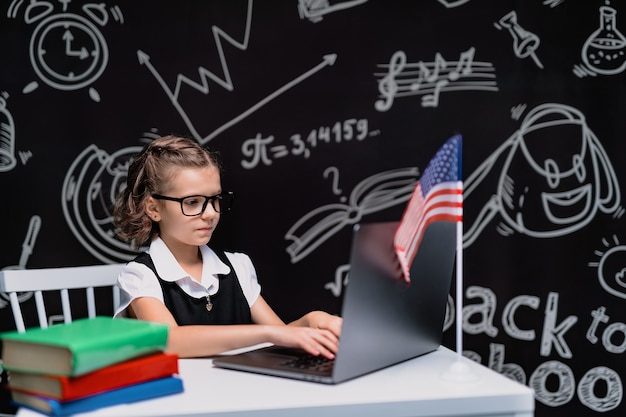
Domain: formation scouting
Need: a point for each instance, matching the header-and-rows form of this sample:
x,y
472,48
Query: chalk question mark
x,y
334,172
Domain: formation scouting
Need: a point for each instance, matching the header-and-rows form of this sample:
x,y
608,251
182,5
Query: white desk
x,y
413,388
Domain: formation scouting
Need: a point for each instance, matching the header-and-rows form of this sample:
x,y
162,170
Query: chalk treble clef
x,y
388,87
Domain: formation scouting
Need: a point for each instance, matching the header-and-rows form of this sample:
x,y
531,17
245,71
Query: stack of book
x,y
89,364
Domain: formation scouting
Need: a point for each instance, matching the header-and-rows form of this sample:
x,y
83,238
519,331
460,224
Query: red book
x,y
122,374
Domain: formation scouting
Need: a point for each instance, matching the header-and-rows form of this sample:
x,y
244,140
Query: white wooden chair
x,y
14,281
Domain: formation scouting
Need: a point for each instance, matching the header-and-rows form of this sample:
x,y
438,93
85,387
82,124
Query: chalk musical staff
x,y
430,79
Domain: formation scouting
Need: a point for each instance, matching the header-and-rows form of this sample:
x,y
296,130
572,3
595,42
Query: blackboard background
x,y
282,87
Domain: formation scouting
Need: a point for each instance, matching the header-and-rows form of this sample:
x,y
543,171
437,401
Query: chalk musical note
x,y
426,75
432,100
388,87
464,65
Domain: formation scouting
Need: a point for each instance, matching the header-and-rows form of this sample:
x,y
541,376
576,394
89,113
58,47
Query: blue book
x,y
143,391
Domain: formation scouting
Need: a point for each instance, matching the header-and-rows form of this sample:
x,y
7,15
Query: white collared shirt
x,y
137,280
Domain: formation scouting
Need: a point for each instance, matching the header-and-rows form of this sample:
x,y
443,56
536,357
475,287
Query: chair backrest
x,y
18,281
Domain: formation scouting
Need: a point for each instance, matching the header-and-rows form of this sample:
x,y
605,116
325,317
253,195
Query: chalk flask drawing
x,y
605,49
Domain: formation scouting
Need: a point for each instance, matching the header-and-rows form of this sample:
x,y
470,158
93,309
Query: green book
x,y
81,346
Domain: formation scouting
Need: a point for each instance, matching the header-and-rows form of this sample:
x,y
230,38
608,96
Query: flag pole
x,y
459,371
459,289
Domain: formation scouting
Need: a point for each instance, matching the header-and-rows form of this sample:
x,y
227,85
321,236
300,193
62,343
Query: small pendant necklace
x,y
209,303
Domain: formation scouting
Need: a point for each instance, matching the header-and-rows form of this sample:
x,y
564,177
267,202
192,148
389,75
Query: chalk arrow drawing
x,y
226,82
144,59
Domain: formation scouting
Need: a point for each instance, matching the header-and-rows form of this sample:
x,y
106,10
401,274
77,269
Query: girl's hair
x,y
150,172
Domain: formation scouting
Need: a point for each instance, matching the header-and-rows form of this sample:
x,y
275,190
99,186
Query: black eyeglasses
x,y
194,205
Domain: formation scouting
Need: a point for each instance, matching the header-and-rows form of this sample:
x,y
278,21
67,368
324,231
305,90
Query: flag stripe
x,y
443,197
443,207
437,196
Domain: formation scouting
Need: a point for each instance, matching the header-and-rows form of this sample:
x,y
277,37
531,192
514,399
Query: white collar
x,y
170,270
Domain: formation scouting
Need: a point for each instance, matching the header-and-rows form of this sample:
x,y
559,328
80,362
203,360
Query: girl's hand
x,y
314,341
325,321
316,332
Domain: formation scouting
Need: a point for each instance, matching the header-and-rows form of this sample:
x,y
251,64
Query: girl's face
x,y
176,229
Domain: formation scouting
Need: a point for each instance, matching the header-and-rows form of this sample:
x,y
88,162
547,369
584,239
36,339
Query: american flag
x,y
438,196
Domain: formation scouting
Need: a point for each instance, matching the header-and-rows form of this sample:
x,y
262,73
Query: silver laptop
x,y
385,320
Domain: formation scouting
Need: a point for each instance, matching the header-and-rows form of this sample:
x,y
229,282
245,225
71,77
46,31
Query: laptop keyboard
x,y
311,363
